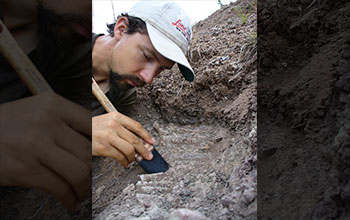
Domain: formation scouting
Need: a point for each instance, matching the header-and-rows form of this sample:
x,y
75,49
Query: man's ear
x,y
120,27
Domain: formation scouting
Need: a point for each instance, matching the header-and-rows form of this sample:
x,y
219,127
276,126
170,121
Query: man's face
x,y
134,61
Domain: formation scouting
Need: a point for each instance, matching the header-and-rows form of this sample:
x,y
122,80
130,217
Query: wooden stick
x,y
20,62
102,98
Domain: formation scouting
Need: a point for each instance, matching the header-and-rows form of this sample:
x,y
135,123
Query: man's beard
x,y
55,27
120,80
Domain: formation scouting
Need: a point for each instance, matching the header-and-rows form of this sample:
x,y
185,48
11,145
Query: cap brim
x,y
170,50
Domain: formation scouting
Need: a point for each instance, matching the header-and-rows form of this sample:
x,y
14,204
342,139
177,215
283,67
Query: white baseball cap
x,y
169,29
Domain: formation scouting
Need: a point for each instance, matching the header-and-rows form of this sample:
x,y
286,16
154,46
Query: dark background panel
x,y
36,132
303,109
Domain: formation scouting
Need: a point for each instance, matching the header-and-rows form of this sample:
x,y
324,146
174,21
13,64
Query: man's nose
x,y
149,73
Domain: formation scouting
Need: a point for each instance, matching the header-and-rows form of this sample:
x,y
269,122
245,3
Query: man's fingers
x,y
137,143
76,173
49,155
72,114
106,149
73,142
120,137
117,155
137,128
123,147
48,181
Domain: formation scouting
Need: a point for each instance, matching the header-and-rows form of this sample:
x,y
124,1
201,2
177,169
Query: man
x,y
151,37
43,140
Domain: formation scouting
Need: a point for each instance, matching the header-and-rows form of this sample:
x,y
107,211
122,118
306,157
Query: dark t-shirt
x,y
123,100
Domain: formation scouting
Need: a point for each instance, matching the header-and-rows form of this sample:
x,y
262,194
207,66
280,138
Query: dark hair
x,y
135,25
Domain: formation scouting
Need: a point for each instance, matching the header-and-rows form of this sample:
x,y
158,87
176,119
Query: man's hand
x,y
116,135
43,144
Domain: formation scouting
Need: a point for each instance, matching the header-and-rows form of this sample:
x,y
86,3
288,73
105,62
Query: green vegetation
x,y
220,3
253,35
244,16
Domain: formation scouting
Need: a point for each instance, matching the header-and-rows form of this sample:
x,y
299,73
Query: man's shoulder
x,y
95,36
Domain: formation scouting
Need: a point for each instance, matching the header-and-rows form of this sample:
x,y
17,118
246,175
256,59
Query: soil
x,y
304,79
206,131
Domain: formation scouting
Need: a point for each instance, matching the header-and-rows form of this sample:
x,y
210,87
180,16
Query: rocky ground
x,y
206,130
304,104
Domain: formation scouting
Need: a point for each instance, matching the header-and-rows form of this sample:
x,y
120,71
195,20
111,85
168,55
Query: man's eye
x,y
144,54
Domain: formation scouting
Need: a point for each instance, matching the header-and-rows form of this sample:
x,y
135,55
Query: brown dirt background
x,y
303,110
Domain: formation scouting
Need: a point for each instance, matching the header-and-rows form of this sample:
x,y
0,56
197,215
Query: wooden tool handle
x,y
102,98
20,62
